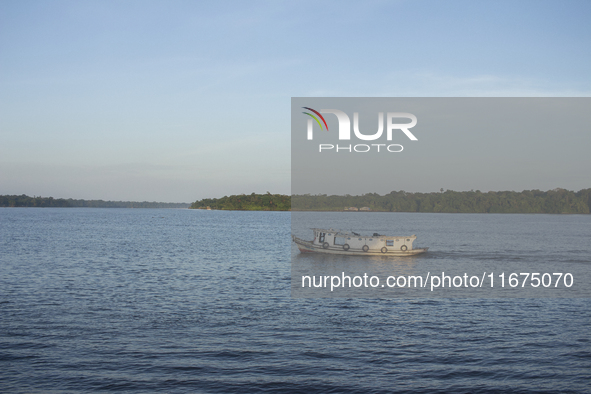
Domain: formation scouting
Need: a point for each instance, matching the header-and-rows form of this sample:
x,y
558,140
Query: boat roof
x,y
352,234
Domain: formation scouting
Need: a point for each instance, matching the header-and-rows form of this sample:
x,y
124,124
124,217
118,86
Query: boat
x,y
353,244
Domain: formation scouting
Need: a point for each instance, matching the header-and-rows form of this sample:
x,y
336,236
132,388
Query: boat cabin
x,y
345,240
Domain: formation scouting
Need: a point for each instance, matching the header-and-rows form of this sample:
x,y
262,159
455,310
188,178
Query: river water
x,y
155,300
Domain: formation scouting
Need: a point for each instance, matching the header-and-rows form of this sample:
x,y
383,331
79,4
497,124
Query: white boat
x,y
345,243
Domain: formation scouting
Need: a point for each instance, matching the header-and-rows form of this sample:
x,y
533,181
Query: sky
x,y
456,143
182,100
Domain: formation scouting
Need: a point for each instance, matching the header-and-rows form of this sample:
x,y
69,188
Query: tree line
x,y
527,201
50,202
246,202
449,201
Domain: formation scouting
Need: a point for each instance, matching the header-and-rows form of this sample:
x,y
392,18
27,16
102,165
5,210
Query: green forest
x,y
50,202
246,202
527,201
449,201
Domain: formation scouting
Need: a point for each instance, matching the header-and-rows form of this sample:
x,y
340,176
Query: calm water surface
x,y
171,301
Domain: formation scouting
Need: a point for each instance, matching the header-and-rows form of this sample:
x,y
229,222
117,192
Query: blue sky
x,y
177,101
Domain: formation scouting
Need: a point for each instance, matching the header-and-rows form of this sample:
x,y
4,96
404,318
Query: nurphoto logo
x,y
345,130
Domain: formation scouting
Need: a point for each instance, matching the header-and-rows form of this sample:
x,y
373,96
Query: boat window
x,y
408,239
390,242
349,239
339,240
360,239
371,239
321,238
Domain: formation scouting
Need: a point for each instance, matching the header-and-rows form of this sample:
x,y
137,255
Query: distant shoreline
x,y
556,201
246,202
24,201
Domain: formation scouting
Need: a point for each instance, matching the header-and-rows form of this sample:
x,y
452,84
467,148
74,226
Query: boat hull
x,y
309,247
